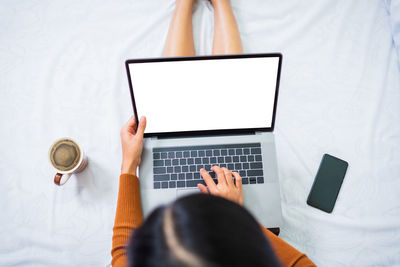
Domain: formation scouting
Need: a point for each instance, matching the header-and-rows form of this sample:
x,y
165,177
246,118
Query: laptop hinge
x,y
204,135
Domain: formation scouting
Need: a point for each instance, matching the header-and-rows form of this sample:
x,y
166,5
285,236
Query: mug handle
x,y
61,179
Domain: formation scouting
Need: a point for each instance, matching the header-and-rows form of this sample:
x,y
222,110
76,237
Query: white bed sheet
x,y
62,74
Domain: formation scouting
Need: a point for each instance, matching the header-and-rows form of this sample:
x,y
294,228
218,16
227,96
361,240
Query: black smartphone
x,y
327,183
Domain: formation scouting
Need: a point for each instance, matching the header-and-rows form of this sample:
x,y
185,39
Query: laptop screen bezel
x,y
215,131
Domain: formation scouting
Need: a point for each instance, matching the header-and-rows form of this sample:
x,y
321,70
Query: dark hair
x,y
200,230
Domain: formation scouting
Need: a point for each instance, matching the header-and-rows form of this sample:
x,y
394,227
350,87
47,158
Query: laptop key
x,y
231,166
246,151
179,154
235,158
256,165
189,176
252,180
180,184
170,169
196,175
243,158
192,168
250,158
182,161
246,166
168,162
185,168
164,184
157,185
242,173
216,153
207,167
186,154
209,153
220,159
158,163
213,160
175,162
190,161
159,170
258,158
255,173
239,151
193,154
228,159
177,169
224,152
191,183
194,183
172,184
260,180
197,161
181,176
164,155
156,155
199,167
174,176
171,155
255,150
231,152
206,160
245,180
238,166
223,165
202,153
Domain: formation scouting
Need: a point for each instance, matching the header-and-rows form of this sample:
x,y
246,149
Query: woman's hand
x,y
132,144
225,188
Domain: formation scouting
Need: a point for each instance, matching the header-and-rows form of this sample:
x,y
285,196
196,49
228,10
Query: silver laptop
x,y
205,111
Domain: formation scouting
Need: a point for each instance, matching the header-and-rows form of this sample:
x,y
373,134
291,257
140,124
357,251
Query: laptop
x,y
205,111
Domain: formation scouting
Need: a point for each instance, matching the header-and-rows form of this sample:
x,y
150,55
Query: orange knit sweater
x,y
129,216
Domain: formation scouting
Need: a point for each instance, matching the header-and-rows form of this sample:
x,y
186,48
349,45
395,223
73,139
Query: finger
x,y
209,181
129,126
220,174
203,189
228,176
131,121
142,126
238,179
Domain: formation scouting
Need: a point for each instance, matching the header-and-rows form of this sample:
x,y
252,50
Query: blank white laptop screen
x,y
204,95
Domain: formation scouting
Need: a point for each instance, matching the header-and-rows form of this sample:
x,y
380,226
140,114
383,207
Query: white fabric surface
x,y
393,9
62,74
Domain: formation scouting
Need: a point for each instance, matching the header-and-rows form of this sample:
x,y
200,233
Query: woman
x,y
198,230
210,229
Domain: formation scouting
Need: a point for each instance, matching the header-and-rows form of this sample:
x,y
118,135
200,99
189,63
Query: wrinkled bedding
x,y
62,74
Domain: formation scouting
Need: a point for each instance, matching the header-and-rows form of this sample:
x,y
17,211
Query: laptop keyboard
x,y
179,167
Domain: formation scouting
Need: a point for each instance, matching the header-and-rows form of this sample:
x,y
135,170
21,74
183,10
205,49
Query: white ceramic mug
x,y
62,176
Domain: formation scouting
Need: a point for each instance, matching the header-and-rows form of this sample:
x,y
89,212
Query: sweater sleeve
x,y
288,255
128,217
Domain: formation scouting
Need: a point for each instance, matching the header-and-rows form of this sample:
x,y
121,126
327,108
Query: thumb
x,y
142,126
203,189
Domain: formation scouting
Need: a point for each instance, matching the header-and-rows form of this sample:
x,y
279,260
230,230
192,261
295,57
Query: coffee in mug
x,y
68,158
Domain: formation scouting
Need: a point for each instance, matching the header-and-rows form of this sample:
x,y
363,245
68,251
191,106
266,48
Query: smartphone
x,y
327,183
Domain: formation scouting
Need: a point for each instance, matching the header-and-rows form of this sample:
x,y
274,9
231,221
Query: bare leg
x,y
226,32
180,35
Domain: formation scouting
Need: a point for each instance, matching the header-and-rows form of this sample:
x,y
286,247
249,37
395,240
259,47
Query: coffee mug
x,y
68,158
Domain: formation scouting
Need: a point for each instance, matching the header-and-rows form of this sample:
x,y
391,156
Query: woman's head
x,y
200,230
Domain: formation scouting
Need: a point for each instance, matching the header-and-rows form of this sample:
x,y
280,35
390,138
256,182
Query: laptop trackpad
x,y
185,192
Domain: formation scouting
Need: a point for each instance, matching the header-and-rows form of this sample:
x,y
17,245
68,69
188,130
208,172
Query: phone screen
x,y
327,183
